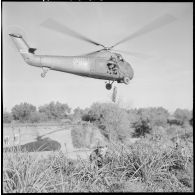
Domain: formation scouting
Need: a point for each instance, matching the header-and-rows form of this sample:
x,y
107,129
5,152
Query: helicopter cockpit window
x,y
120,58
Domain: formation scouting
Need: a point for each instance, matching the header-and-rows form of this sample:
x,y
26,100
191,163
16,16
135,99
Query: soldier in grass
x,y
97,156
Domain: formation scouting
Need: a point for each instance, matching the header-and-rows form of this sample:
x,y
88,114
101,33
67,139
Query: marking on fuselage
x,y
23,51
80,62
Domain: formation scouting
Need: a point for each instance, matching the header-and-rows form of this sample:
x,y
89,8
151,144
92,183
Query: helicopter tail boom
x,y
21,44
26,52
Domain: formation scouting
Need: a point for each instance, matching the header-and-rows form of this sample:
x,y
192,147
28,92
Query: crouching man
x,y
97,156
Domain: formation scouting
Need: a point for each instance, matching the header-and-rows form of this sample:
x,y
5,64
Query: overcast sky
x,y
165,79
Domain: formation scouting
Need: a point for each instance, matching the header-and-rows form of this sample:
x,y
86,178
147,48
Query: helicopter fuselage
x,y
94,67
106,66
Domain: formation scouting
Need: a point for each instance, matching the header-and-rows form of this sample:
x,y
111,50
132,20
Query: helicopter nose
x,y
131,72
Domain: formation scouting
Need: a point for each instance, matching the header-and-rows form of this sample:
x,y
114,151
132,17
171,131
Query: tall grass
x,y
24,172
145,166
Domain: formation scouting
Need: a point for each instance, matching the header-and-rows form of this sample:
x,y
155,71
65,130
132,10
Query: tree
x,y
155,116
55,111
112,120
183,115
22,111
78,113
191,121
7,117
36,117
133,115
142,127
146,120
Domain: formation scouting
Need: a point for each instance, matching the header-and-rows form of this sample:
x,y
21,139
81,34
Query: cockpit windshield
x,y
120,58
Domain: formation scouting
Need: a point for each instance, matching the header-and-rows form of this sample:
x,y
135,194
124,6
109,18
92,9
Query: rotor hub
x,y
107,48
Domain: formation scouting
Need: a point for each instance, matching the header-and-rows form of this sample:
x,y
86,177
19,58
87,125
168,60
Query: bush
x,y
183,115
111,119
133,115
146,120
86,135
141,128
174,130
156,116
78,137
78,114
36,117
23,111
55,111
7,117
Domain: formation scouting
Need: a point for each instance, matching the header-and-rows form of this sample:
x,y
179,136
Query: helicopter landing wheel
x,y
108,86
45,70
126,80
43,75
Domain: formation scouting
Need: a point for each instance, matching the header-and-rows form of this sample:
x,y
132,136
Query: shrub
x,y
55,111
156,116
23,111
34,117
78,137
111,119
86,135
178,132
183,115
7,117
78,113
141,128
133,115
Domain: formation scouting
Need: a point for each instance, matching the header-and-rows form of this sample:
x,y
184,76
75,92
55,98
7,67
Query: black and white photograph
x,y
97,97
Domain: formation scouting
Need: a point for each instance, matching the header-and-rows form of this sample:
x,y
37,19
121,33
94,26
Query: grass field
x,y
147,165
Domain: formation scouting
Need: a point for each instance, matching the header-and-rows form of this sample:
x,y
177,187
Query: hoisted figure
x,y
114,94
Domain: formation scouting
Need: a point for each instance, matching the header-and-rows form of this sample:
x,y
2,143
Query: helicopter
x,y
105,63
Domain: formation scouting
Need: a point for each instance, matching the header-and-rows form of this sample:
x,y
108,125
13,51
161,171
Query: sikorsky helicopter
x,y
101,64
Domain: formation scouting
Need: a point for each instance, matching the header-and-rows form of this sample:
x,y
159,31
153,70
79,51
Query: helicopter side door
x,y
102,67
113,68
99,66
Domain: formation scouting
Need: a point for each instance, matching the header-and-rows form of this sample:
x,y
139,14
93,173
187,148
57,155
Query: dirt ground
x,y
29,133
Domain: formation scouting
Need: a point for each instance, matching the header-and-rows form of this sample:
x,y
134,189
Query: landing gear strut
x,y
109,85
43,75
45,70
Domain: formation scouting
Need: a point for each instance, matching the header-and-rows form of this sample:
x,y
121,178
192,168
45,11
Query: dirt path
x,y
61,134
65,139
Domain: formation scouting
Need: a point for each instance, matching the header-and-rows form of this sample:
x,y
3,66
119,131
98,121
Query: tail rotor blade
x,y
56,26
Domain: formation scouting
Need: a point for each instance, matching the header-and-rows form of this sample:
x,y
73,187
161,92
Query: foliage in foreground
x,y
146,166
86,135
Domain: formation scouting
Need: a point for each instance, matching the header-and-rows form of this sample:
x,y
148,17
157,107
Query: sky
x,y
162,79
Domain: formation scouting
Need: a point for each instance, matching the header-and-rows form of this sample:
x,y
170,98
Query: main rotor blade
x,y
155,24
135,54
56,26
94,52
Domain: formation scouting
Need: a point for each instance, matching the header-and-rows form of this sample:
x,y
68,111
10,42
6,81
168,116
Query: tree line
x,y
109,117
55,111
26,112
114,122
